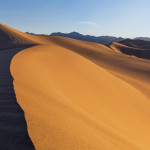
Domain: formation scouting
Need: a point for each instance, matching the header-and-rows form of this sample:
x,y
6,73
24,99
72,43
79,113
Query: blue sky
x,y
126,18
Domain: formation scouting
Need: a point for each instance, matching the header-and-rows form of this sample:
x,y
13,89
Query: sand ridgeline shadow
x,y
137,51
13,127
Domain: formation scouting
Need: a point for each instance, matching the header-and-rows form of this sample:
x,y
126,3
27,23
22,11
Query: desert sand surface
x,y
80,95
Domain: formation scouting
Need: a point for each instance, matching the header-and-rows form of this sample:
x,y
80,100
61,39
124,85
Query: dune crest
x,y
11,38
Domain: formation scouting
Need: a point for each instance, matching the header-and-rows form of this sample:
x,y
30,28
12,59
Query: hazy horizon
x,y
128,19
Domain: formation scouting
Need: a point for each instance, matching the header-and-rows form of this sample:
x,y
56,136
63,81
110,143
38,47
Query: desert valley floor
x,y
58,93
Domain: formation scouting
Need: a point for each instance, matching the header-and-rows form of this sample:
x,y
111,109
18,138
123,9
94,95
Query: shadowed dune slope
x,y
11,38
135,43
13,128
134,51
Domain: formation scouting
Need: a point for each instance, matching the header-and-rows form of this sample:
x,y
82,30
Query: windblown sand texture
x,y
80,95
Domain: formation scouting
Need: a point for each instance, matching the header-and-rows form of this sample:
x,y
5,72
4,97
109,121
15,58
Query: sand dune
x,y
134,51
134,70
81,95
80,104
135,43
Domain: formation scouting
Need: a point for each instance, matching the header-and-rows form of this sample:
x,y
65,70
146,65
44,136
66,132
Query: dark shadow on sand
x,y
13,127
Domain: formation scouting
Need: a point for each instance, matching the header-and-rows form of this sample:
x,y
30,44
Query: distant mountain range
x,y
99,39
105,40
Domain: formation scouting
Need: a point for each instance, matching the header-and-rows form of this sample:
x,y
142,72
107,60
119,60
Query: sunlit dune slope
x,y
134,70
70,105
82,95
71,102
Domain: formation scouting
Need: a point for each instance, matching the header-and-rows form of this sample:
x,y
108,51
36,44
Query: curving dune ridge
x,y
140,52
81,95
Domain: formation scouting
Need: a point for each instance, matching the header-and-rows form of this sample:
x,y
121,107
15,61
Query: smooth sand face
x,y
77,104
82,95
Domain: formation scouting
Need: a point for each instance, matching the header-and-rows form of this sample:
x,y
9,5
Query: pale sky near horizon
x,y
125,18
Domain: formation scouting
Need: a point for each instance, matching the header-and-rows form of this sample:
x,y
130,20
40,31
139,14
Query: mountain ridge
x,y
104,39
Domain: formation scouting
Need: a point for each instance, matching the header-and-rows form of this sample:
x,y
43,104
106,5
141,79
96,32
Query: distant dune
x,y
80,95
135,43
134,49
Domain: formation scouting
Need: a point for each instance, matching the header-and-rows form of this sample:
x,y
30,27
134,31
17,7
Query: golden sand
x,y
80,95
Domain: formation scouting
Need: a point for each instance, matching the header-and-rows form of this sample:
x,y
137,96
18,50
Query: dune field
x,y
74,95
